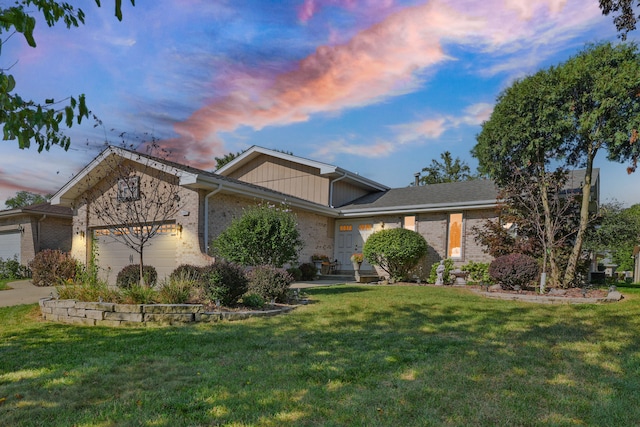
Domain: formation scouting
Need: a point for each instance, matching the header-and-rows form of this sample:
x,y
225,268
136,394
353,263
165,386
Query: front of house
x,y
336,209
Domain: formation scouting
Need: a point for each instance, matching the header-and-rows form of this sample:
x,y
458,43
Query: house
x,y
28,230
336,209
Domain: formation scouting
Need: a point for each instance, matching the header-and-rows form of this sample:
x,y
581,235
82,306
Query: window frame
x,y
450,246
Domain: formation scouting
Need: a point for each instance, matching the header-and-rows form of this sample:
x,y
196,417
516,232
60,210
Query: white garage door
x,y
113,255
10,245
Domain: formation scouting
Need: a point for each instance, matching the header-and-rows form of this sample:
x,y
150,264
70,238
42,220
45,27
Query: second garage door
x,y
10,245
113,255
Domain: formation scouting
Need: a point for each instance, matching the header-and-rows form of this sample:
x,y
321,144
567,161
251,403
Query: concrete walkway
x,y
23,292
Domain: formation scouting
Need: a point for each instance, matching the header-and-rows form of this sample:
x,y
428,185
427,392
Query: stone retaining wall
x,y
110,314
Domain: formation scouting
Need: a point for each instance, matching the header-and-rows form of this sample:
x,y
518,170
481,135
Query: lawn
x,y
3,284
356,356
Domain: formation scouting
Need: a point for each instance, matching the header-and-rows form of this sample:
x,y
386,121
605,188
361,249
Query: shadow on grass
x,y
390,356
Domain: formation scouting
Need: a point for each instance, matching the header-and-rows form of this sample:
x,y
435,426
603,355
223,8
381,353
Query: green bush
x,y
295,272
12,269
224,282
139,294
253,300
308,270
51,267
446,275
478,272
395,250
265,235
270,283
187,271
89,291
130,275
514,270
177,288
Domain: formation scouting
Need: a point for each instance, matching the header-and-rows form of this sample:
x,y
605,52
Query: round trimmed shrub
x,y
130,275
295,272
187,272
514,270
225,282
52,266
270,283
395,250
308,270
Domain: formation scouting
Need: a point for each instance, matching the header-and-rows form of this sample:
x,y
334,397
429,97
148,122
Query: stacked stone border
x,y
111,314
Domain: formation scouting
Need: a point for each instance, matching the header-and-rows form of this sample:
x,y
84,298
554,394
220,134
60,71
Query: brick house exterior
x,y
336,209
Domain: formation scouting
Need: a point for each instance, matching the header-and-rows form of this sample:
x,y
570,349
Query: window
x,y
410,223
346,227
454,247
365,227
129,189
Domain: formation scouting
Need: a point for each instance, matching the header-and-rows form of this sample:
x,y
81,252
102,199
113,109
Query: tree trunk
x,y
549,240
142,281
572,264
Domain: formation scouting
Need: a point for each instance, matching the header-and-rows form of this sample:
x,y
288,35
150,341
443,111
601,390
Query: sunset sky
x,y
378,87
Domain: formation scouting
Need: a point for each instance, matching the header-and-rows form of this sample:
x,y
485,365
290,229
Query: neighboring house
x,y
336,209
31,229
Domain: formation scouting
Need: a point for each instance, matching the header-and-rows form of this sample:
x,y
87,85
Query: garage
x,y
10,245
113,255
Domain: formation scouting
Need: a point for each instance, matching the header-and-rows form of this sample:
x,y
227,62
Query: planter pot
x,y
356,265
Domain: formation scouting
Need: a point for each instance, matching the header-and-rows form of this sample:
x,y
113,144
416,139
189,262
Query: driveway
x,y
23,292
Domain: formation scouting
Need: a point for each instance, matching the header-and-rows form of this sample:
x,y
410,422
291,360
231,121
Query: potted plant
x,y
356,260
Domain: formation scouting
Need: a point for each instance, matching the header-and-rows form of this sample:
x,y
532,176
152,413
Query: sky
x,y
377,87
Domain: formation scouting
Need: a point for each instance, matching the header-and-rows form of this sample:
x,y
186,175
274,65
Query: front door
x,y
350,239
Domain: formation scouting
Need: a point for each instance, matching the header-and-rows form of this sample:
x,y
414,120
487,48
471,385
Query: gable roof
x,y
475,194
325,169
189,177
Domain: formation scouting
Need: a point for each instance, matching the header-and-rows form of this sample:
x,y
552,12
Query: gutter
x,y
331,188
417,209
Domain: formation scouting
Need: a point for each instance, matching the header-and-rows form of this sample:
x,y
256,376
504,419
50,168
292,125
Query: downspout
x,y
331,188
206,217
38,231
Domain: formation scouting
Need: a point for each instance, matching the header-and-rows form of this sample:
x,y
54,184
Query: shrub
x,y
270,283
89,291
253,300
446,275
12,269
265,234
187,271
514,270
395,250
295,272
308,270
130,275
52,266
478,272
177,288
225,282
139,294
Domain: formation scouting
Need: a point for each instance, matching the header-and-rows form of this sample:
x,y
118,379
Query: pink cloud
x,y
382,61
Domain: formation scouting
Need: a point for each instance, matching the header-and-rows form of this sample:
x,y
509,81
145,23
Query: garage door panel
x,y
113,255
10,245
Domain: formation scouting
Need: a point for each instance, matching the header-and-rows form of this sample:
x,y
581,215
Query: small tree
x,y
266,234
25,198
449,170
396,251
139,195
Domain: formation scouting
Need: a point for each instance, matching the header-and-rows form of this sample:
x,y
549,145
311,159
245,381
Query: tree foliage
x,y
624,16
27,120
25,198
265,234
449,170
617,232
566,115
395,250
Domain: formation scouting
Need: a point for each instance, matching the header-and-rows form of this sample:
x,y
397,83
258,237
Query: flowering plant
x,y
316,257
357,258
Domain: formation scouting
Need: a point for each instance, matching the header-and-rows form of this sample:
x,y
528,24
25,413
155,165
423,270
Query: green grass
x,y
3,284
356,356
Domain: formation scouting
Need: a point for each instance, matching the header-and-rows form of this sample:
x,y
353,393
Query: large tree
x,y
564,116
449,170
25,198
617,233
30,121
624,16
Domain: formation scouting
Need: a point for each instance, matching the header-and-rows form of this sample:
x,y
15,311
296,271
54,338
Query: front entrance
x,y
350,239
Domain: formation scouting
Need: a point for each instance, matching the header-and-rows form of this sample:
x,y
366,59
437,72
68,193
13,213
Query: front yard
x,y
358,355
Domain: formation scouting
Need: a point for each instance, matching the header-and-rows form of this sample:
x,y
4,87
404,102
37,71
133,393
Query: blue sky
x,y
378,87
